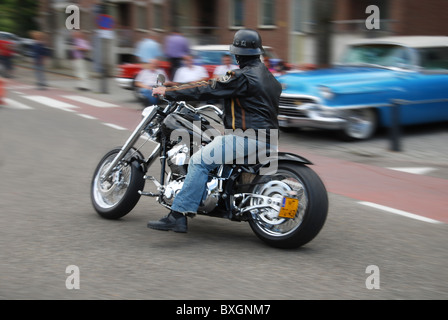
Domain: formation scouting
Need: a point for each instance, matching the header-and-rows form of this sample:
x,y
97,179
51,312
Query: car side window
x,y
434,58
398,57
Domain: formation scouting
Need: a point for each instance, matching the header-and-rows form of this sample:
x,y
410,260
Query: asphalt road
x,y
47,158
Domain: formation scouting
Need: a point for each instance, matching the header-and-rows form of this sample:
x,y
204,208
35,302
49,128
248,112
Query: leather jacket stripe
x,y
233,114
243,114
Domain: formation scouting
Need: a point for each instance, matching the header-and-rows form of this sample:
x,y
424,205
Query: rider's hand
x,y
159,91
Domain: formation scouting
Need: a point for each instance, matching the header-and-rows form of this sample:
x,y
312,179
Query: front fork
x,y
130,143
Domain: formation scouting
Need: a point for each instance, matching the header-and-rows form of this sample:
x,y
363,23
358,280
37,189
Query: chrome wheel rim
x,y
109,192
267,220
360,124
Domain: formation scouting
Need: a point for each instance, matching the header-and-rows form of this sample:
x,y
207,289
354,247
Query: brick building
x,y
289,26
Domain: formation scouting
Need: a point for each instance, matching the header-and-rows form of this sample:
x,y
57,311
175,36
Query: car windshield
x,y
381,55
211,57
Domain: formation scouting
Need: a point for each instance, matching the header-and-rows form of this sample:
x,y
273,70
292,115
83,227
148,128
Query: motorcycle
x,y
286,207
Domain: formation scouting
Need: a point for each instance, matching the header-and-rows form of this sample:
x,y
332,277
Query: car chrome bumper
x,y
125,83
309,115
316,122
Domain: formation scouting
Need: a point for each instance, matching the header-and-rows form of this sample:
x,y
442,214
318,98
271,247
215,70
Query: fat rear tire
x,y
310,217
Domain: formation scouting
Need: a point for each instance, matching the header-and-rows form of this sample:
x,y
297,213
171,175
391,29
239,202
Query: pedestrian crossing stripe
x,y
53,103
12,104
90,101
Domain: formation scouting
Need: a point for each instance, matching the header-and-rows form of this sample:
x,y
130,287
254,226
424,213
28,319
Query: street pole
x,y
395,129
104,54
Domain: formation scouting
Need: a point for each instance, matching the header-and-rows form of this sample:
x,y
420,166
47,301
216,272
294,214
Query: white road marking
x,y
12,104
399,212
53,103
415,170
86,116
19,87
90,101
114,126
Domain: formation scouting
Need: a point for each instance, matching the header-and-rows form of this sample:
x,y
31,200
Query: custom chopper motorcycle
x,y
286,208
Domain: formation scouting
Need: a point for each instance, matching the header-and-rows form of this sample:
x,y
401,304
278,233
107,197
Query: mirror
x,y
161,79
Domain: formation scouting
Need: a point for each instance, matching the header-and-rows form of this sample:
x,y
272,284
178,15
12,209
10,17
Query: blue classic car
x,y
355,96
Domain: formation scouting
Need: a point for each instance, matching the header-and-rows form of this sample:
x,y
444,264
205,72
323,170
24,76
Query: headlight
x,y
326,93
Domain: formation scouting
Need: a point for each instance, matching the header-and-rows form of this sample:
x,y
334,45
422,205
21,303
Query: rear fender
x,y
263,168
287,156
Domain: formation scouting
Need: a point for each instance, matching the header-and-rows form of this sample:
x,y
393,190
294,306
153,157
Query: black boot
x,y
174,221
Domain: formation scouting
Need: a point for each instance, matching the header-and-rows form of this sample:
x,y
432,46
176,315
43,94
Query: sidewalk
x,y
65,69
64,78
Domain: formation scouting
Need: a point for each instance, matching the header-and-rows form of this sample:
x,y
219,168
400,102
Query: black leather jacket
x,y
251,96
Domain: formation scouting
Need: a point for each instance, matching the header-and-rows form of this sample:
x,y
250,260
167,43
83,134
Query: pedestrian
x,y
39,53
190,72
267,63
226,66
147,79
6,57
176,47
251,96
221,71
80,54
148,48
280,69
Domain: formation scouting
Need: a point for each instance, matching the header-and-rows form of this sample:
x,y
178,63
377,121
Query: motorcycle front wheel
x,y
311,213
117,194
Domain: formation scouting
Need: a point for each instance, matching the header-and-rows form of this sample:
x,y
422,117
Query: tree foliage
x,y
18,16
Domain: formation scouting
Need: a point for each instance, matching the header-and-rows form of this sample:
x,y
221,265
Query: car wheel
x,y
361,124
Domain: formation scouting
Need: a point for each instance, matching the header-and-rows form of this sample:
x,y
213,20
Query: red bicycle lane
x,y
416,194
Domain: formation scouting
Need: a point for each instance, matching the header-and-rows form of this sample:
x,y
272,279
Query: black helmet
x,y
246,42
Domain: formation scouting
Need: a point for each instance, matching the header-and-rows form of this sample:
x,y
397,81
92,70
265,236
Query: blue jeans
x,y
148,95
40,75
223,149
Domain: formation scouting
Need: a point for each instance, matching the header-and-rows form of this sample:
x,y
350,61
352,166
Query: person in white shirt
x,y
147,79
221,71
226,66
190,72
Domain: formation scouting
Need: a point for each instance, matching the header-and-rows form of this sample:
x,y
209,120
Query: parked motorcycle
x,y
285,208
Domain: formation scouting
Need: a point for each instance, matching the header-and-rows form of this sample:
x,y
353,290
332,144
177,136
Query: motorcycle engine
x,y
178,162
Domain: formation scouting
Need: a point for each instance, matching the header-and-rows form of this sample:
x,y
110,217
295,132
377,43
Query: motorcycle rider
x,y
251,97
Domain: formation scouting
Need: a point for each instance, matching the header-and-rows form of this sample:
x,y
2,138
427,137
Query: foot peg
x,y
148,194
152,194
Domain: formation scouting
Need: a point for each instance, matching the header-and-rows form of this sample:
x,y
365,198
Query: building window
x,y
157,17
122,12
302,16
267,14
237,13
142,17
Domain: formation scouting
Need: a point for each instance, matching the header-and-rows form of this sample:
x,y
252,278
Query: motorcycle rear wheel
x,y
311,214
118,194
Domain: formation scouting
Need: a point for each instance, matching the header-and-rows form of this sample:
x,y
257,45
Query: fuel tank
x,y
186,121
